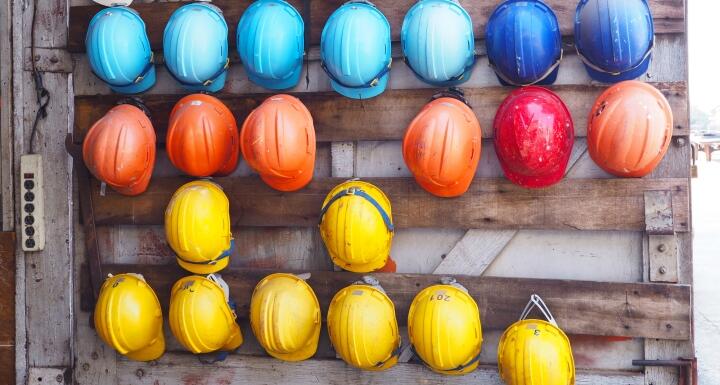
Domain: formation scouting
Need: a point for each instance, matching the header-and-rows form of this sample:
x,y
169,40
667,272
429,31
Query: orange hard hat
x,y
442,146
202,137
119,149
629,129
278,141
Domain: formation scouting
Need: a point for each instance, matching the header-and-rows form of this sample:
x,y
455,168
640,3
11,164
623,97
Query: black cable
x,y
306,22
42,95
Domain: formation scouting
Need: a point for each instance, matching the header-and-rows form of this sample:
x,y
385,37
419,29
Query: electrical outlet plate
x,y
32,203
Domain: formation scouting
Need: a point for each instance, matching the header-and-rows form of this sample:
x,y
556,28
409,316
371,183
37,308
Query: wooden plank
x,y
6,119
581,307
475,252
173,369
7,305
668,16
385,117
617,204
342,156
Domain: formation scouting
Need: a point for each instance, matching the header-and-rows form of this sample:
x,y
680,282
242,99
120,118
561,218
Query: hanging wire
x,y
42,95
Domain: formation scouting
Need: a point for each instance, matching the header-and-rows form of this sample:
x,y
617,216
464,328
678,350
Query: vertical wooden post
x,y
45,287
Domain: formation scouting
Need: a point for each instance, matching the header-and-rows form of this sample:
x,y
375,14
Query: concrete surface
x,y
706,227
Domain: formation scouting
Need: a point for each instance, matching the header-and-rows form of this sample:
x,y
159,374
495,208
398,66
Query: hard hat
x,y
355,50
129,319
195,45
629,129
202,315
442,146
438,42
356,226
614,38
285,317
119,51
202,137
444,328
362,326
534,136
270,41
524,45
119,149
197,227
278,141
535,352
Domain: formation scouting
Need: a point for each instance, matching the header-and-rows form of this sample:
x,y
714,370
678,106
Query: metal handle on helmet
x,y
452,92
371,83
136,102
541,78
592,65
536,301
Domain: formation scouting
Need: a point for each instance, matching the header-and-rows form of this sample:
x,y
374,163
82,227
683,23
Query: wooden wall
x,y
589,229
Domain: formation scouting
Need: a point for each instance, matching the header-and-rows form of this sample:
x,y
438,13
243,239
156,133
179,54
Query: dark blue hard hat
x,y
614,38
523,41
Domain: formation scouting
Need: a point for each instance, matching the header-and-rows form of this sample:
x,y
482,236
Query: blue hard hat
x,y
355,50
119,51
270,43
524,45
614,38
438,42
195,44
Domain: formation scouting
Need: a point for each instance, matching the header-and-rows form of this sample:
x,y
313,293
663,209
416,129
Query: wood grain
x,y
581,307
173,369
385,117
668,17
582,204
7,305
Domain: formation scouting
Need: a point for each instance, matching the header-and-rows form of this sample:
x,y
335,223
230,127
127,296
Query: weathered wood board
x,y
175,369
385,117
617,204
582,307
668,15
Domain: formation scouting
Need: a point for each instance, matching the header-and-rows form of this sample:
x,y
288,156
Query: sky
x,y
704,53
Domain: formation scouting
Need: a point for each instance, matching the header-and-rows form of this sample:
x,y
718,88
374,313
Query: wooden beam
x,y
475,252
668,14
581,307
582,204
7,304
385,117
172,369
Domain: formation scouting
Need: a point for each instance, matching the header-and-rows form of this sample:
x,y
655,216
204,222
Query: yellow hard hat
x,y
202,315
356,226
362,326
197,227
444,328
128,317
535,352
285,317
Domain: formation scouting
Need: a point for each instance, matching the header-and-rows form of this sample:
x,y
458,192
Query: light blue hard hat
x,y
270,44
195,44
355,50
438,42
119,50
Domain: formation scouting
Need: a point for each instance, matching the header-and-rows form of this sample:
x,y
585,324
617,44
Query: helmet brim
x,y
149,353
215,86
135,88
289,184
361,93
204,269
634,73
534,181
305,352
278,84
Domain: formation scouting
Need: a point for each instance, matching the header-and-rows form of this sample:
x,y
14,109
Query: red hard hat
x,y
278,141
202,137
119,149
534,136
442,147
